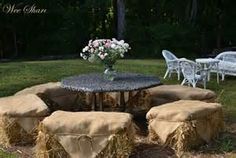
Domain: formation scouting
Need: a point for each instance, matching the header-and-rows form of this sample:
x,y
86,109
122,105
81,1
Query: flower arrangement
x,y
104,50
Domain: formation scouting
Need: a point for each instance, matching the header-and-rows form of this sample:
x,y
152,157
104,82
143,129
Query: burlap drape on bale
x,y
85,135
140,103
58,98
184,125
169,93
19,118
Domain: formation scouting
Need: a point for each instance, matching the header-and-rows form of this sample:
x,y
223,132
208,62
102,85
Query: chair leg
x,y
209,76
204,84
167,71
178,75
170,73
183,82
194,85
223,76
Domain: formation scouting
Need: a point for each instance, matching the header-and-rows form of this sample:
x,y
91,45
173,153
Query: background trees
x,y
188,27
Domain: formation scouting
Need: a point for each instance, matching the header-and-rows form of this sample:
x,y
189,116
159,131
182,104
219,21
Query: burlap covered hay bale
x,y
19,118
140,103
169,93
85,135
185,124
58,98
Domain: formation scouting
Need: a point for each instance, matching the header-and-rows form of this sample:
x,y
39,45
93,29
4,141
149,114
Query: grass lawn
x,y
15,76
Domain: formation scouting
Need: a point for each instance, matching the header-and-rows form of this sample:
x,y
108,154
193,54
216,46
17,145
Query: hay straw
x,y
140,102
186,137
119,145
11,133
47,145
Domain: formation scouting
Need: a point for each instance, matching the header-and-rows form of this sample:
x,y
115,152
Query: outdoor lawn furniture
x,y
85,135
227,64
95,84
172,63
56,97
19,118
169,93
209,63
184,125
193,73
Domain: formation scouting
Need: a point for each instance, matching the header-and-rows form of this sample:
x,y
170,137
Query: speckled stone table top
x,y
94,82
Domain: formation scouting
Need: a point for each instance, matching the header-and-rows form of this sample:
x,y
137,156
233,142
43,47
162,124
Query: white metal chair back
x,y
188,68
192,72
227,56
168,55
172,63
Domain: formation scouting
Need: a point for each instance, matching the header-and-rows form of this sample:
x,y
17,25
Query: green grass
x,y
15,76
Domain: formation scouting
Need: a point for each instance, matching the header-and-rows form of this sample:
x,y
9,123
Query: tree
x,y
120,19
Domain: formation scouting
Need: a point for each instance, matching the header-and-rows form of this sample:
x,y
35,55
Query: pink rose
x,y
108,44
95,44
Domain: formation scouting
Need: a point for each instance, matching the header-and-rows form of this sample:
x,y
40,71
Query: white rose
x,y
126,45
101,48
113,45
85,49
113,39
121,42
102,56
91,50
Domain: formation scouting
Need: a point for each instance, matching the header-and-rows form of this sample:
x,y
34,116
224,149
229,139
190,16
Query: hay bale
x,y
58,98
184,125
19,118
170,93
140,103
85,135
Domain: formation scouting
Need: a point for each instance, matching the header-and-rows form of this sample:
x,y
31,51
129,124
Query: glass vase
x,y
109,72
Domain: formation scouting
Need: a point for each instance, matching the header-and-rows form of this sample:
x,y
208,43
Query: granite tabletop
x,y
95,82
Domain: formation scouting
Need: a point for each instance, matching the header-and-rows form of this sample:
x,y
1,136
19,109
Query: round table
x,y
95,83
208,63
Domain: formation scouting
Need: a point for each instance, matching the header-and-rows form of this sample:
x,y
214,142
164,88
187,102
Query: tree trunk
x,y
115,18
120,19
15,44
218,39
193,11
219,27
203,49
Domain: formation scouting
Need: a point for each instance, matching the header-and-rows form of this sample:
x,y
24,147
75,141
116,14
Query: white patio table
x,y
209,63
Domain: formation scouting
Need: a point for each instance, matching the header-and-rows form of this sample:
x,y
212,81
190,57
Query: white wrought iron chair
x,y
193,73
172,63
227,64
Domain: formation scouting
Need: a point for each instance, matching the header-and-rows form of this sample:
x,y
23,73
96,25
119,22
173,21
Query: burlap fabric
x,y
169,93
85,135
185,124
19,118
58,98
140,103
